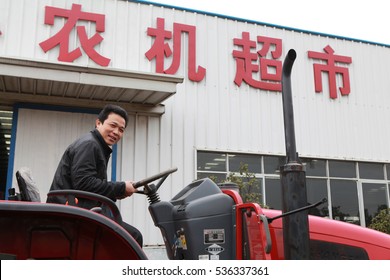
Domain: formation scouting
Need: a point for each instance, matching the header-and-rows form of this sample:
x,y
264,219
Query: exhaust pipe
x,y
293,178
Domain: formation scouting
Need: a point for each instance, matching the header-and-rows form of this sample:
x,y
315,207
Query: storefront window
x,y
371,170
343,169
345,205
209,161
315,167
251,191
253,162
273,191
316,191
272,164
374,197
339,178
216,177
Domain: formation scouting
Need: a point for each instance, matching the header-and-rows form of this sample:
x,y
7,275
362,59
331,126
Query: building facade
x,y
203,92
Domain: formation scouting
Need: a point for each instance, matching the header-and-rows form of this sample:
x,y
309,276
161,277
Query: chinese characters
x,y
249,60
258,61
332,69
257,58
61,38
160,49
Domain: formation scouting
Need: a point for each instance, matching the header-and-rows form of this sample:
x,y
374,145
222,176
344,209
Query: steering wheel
x,y
150,190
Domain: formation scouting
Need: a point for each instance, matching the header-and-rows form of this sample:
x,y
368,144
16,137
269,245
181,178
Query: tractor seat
x,y
27,186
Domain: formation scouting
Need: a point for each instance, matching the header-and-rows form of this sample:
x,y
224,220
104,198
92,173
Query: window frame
x,y
263,177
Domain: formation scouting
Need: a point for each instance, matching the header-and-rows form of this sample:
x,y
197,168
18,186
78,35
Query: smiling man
x,y
83,165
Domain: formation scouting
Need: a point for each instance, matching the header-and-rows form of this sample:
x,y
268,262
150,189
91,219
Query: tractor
x,y
203,221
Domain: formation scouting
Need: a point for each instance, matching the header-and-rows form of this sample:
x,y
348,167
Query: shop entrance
x,y
5,142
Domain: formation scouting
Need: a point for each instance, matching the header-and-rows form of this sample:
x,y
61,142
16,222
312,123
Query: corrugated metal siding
x,y
216,114
140,152
226,117
42,137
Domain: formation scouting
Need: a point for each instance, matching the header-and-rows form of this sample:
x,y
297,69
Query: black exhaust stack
x,y
293,178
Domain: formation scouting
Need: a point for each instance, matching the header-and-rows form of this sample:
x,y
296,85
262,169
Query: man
x,y
83,165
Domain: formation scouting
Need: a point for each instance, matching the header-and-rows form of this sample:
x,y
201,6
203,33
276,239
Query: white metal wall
x,y
42,137
216,114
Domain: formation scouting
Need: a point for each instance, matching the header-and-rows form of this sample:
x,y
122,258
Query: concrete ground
x,y
155,252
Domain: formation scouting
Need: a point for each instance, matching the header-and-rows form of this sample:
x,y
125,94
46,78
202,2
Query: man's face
x,y
112,129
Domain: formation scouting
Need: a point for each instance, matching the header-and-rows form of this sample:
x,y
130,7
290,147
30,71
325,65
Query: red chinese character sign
x,y
61,38
258,61
161,49
332,69
251,59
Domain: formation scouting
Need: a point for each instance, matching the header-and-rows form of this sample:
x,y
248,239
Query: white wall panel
x,y
42,137
140,158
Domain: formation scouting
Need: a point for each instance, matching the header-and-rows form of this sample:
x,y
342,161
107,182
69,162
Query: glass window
x,y
316,190
371,170
216,177
272,164
253,162
341,176
344,169
273,192
251,191
374,197
388,192
345,201
315,167
209,161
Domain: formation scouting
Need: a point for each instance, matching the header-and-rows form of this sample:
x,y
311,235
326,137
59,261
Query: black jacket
x,y
84,167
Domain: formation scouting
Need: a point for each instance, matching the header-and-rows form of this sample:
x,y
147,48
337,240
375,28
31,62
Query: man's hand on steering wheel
x,y
129,190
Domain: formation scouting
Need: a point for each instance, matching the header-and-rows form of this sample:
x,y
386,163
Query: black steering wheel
x,y
151,190
150,179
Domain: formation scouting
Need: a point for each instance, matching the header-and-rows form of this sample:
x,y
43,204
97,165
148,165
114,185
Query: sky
x,y
356,19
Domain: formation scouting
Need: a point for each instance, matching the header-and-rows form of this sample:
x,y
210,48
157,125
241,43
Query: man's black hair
x,y
110,108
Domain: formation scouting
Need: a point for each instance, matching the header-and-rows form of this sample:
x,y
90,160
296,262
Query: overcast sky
x,y
357,19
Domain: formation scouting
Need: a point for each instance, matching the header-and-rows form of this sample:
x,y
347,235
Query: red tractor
x,y
202,221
